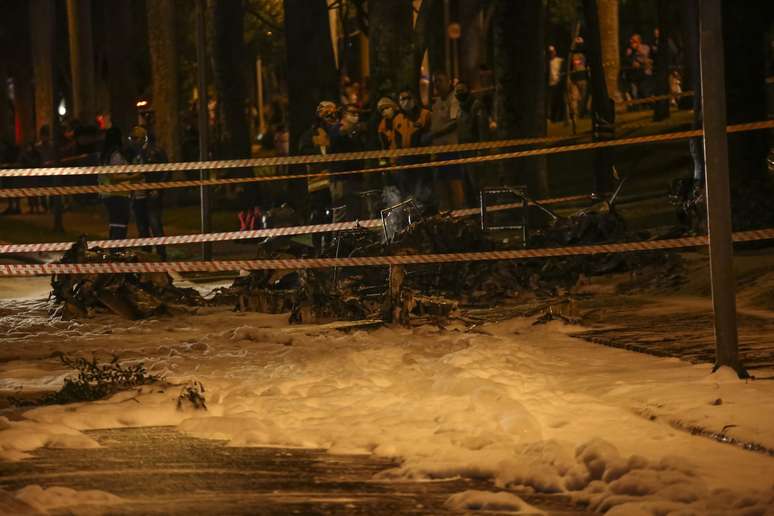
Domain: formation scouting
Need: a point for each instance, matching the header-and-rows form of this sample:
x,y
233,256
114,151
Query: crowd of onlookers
x,y
568,78
397,120
439,111
88,145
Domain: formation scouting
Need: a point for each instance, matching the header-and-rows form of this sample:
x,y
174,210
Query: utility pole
x,y
718,187
201,72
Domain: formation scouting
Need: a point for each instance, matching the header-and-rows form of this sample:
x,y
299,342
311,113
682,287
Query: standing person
x,y
147,205
555,87
117,204
443,131
28,158
45,150
579,80
639,67
472,127
9,153
387,110
317,140
346,137
412,129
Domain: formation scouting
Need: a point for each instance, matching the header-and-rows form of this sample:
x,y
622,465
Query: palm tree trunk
x,y
229,70
390,43
520,86
661,62
24,105
745,26
122,81
312,76
42,16
162,45
5,113
602,106
471,45
424,27
611,54
81,59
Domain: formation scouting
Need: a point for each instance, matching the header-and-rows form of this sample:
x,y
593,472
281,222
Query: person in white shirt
x,y
443,131
555,88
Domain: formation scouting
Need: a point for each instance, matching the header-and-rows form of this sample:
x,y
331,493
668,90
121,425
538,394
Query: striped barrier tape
x,y
655,98
668,96
69,190
280,161
365,261
247,235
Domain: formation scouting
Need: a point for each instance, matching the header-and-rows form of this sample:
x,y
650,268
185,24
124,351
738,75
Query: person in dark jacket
x,y
147,205
118,203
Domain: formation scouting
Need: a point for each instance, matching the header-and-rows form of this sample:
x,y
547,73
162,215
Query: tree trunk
x,y
312,76
162,45
661,62
423,33
745,26
5,113
602,106
42,16
471,45
81,59
390,44
122,80
436,36
229,70
611,54
519,69
24,105
691,81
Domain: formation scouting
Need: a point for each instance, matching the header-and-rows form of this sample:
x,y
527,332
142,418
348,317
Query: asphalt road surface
x,y
160,471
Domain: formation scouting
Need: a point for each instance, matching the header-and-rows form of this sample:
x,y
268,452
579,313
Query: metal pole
x,y
717,184
201,72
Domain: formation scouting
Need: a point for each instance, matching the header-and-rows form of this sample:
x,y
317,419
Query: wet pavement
x,y
160,471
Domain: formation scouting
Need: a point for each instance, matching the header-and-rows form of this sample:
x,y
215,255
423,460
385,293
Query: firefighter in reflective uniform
x,y
317,140
412,129
387,108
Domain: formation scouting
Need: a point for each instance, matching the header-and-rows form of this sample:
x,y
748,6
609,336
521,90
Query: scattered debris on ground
x,y
192,396
408,294
416,294
97,381
132,296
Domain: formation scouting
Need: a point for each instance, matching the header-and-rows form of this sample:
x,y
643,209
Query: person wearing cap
x,y
117,203
147,205
387,109
317,140
412,129
347,137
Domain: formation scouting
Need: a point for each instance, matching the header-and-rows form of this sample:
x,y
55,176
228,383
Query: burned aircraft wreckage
x,y
397,294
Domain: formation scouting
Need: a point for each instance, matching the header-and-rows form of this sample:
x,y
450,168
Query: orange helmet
x,y
327,110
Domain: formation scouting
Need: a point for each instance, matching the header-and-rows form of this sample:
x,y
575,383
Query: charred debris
x,y
132,296
406,294
420,293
